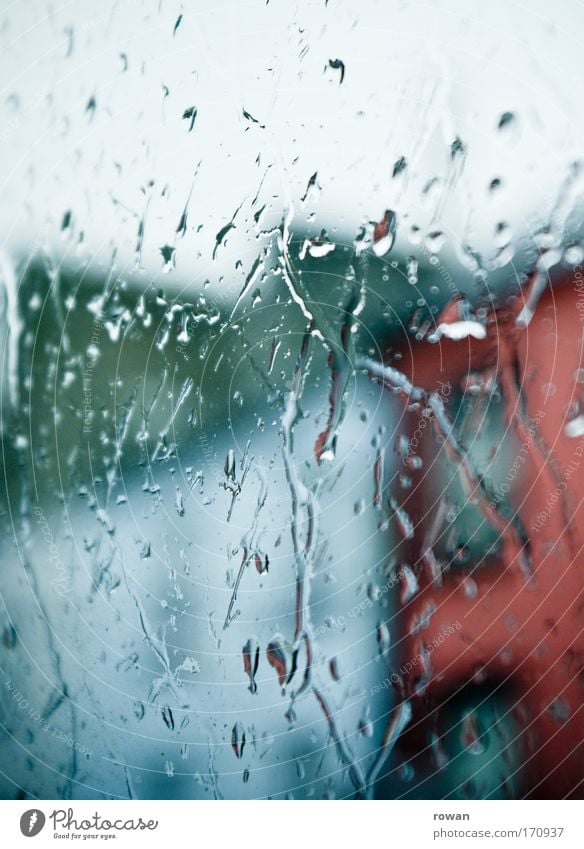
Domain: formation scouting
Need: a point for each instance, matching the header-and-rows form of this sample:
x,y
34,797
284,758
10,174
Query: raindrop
x,y
575,428
383,638
168,718
366,726
229,467
438,752
238,739
317,247
277,659
399,166
251,659
311,187
338,65
574,255
91,107
9,637
190,115
66,222
168,253
560,710
412,270
457,148
434,241
409,583
502,235
471,737
249,117
404,522
334,669
384,233
506,121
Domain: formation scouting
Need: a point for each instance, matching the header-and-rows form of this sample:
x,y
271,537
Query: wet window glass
x,y
292,407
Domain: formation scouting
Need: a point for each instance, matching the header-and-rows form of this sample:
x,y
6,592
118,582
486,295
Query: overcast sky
x,y
93,132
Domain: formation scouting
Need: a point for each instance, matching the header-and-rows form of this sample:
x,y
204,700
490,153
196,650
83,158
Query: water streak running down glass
x,y
292,406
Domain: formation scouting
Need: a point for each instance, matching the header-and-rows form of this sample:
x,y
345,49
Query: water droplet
x,y
277,659
318,247
251,659
238,739
179,502
399,166
384,233
190,115
334,669
338,65
404,522
168,257
435,241
502,235
412,270
506,121
575,428
472,738
168,718
457,148
383,638
560,710
574,255
409,584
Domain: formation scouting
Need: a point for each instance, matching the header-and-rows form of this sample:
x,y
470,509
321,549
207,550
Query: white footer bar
x,y
288,824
